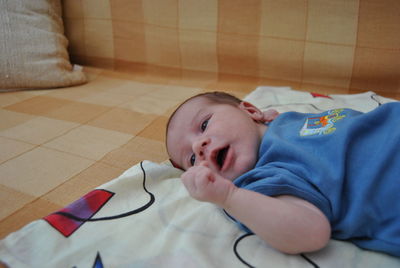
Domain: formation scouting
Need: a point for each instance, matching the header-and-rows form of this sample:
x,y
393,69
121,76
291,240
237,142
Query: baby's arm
x,y
287,223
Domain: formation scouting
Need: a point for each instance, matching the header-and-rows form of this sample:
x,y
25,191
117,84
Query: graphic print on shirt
x,y
322,125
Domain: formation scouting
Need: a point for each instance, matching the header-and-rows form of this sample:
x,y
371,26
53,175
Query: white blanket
x,y
145,218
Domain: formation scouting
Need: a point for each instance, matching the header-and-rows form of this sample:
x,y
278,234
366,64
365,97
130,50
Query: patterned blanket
x,y
145,218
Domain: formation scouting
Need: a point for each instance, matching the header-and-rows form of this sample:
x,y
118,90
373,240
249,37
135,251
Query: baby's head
x,y
218,130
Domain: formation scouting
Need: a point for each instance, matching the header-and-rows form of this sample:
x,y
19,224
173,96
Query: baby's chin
x,y
238,172
234,176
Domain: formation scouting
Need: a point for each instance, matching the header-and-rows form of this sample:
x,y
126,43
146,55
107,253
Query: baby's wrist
x,y
230,195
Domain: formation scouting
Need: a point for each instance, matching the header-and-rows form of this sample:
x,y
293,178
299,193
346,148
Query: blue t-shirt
x,y
345,162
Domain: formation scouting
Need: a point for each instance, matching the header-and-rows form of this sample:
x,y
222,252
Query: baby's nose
x,y
199,147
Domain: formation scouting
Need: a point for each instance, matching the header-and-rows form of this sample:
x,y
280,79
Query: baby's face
x,y
223,136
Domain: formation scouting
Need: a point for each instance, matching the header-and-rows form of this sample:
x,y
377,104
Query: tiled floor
x,y
56,145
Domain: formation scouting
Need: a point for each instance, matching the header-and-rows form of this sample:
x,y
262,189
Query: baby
x,y
293,179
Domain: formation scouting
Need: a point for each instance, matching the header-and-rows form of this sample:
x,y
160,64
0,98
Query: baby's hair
x,y
215,97
218,97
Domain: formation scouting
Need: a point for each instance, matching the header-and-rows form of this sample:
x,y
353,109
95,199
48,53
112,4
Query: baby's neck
x,y
262,129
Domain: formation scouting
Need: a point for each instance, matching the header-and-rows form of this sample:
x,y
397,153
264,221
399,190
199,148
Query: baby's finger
x,y
203,178
210,174
270,115
194,178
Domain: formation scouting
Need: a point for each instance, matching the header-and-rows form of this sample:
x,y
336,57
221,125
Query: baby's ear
x,y
256,114
252,111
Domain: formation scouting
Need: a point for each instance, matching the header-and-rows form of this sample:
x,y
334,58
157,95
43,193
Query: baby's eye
x,y
204,125
192,159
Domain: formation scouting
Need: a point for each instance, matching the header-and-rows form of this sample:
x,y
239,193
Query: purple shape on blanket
x,y
70,218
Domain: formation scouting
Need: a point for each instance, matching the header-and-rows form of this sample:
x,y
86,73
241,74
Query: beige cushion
x,y
33,48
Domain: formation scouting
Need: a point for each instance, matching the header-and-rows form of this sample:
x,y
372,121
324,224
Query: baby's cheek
x,y
246,164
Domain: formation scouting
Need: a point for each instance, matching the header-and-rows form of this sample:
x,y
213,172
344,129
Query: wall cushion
x,y
33,50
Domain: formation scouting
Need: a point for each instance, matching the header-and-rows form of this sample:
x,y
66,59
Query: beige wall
x,y
345,44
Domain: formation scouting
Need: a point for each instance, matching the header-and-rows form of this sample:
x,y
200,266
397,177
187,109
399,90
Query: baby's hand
x,y
269,115
204,185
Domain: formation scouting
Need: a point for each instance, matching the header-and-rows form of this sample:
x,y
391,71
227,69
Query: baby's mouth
x,y
221,156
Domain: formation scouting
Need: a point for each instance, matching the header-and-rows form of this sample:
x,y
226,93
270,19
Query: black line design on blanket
x,y
70,218
237,253
240,258
375,97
